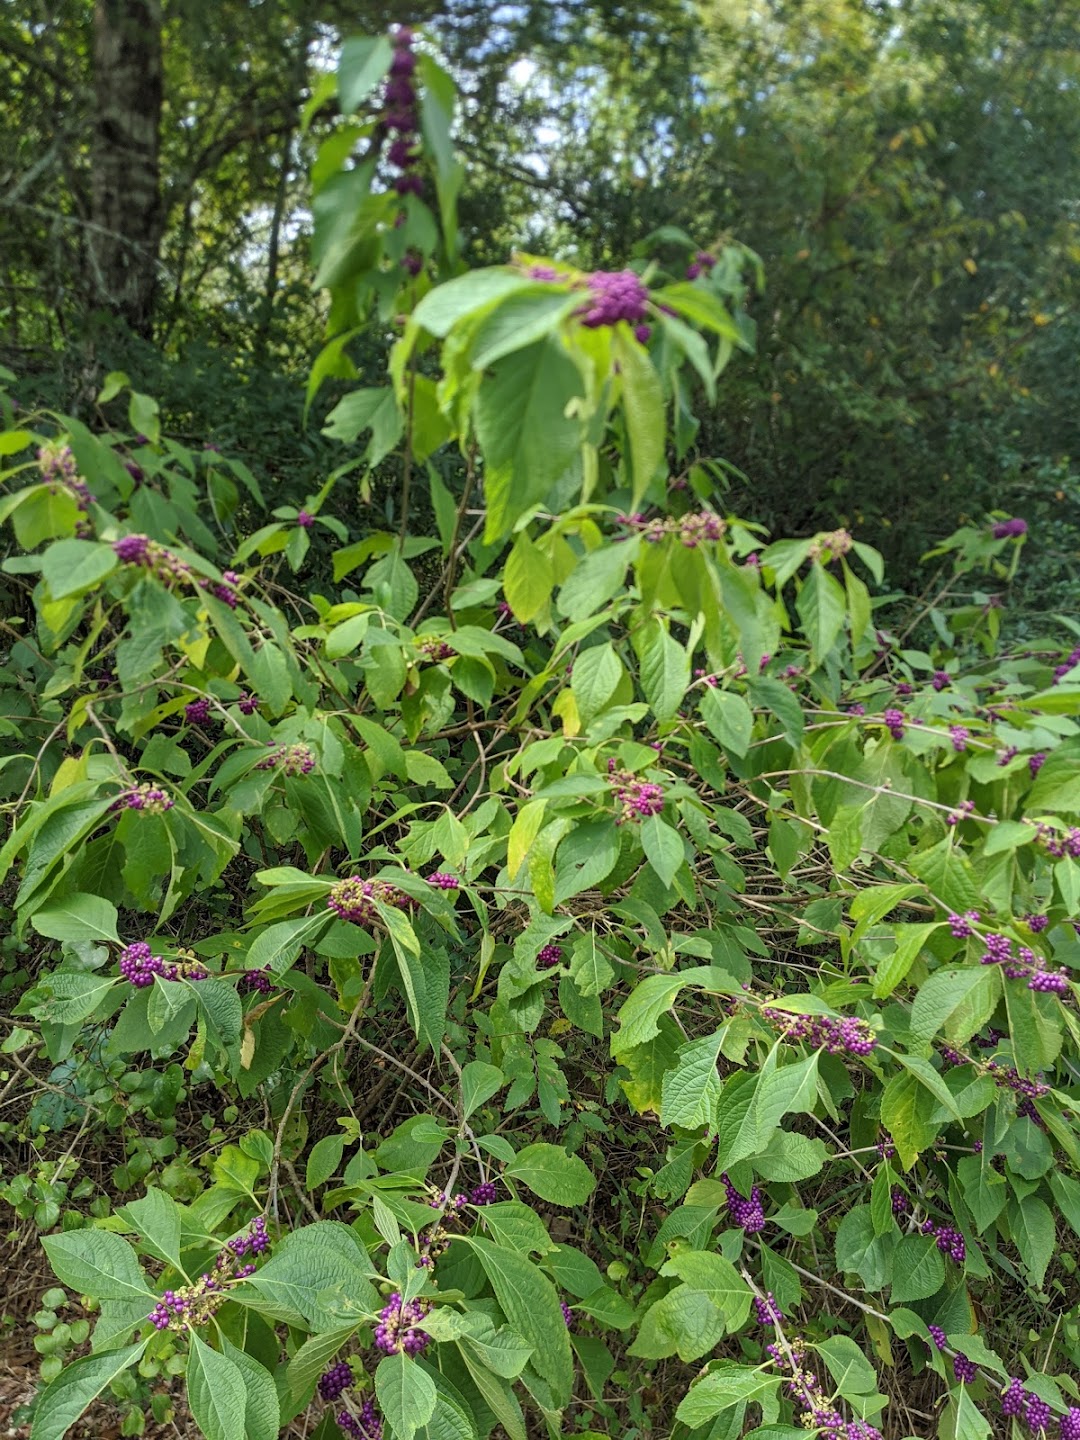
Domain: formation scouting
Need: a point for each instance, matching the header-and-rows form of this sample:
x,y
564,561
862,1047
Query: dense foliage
x,y
577,967
905,170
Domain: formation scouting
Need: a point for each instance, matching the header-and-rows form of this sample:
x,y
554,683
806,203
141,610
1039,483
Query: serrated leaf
x,y
551,1173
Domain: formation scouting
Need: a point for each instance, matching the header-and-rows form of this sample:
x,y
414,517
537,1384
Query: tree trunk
x,y
126,208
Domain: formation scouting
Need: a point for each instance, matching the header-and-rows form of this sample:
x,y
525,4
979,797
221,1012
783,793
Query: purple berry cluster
x,y
247,704
444,881
401,117
1025,965
1059,845
965,808
850,1035
767,1311
827,549
960,926
141,550
354,899
1036,762
1036,923
226,590
197,712
305,519
365,1426
1007,1077
486,1193
138,965
171,570
334,1382
1070,1424
397,1330
435,650
1009,529
949,1240
893,720
193,1305
940,680
959,735
549,957
567,1314
1018,1403
637,798
938,1336
1069,663
692,529
702,264
149,798
258,980
446,1201
289,759
255,1240
818,1412
616,295
747,1214
965,1370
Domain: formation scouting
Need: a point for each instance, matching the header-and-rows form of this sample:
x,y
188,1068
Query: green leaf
x,y
822,609
531,1306
908,1113
910,941
364,62
320,1273
220,1005
216,1392
526,436
643,412
75,995
528,579
729,718
479,1082
701,307
156,1217
639,1018
406,1394
442,307
663,848
77,917
589,967
692,1089
664,669
76,1387
324,1159
963,1420
262,1413
944,992
552,1174
97,1263
522,318
684,1322
918,1269
71,567
723,1387
1034,1234
143,416
594,580
715,1277
750,1116
851,1371
1057,786
597,672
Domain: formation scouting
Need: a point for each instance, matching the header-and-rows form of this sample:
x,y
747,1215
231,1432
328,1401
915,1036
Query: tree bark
x,y
126,208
